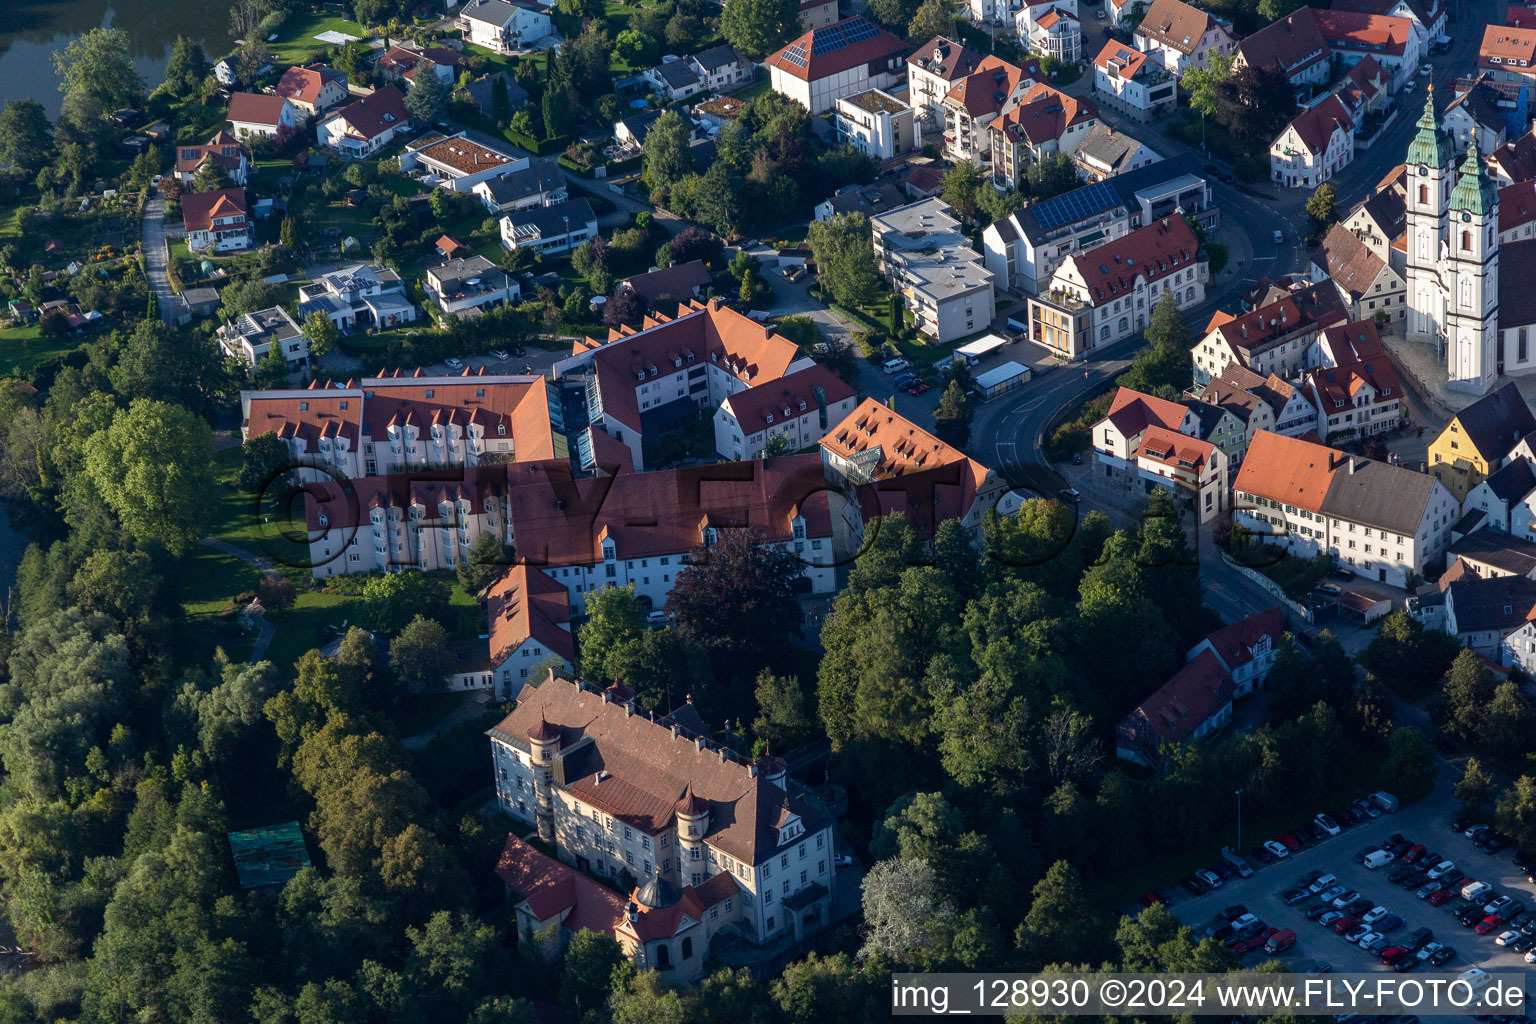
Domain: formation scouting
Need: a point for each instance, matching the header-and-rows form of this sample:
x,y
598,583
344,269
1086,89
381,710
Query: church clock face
x,y
1466,218
1423,170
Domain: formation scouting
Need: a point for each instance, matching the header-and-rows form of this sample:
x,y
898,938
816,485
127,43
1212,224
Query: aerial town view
x,y
670,511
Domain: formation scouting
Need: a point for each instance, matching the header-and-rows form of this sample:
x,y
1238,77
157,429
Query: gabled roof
x,y
945,59
1499,550
1315,126
1481,104
1513,481
223,149
1120,61
1337,388
1354,342
1517,205
1507,49
833,49
1290,45
1516,159
530,181
1111,270
373,115
1196,692
1349,262
527,604
1176,25
775,401
1174,449
1495,423
1311,308
1105,147
304,84
988,89
1234,643
1132,412
1345,30
198,209
678,74
1288,470
1502,603
551,221
1044,114
1379,494
676,282
256,108
551,890
717,57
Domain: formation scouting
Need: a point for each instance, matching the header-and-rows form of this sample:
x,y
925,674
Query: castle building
x,y
1453,261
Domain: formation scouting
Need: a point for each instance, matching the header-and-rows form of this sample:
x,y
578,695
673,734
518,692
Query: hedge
x,y
539,147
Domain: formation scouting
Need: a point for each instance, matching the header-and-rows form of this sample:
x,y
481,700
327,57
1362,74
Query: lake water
x,y
30,30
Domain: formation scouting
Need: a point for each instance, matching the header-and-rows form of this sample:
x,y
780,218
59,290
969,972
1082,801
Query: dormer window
x,y
303,407
501,430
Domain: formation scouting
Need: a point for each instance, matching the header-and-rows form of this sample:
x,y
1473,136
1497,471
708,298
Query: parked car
x,y
1209,878
1423,891
845,860
501,354
1523,943
1263,854
1451,877
1476,890
1368,809
454,363
1507,938
1413,853
1389,924
1473,831
1496,842
1278,236
1329,919
1419,938
1401,873
1392,954
1345,925
1071,495
903,379
1223,870
1488,924
1438,899
1346,899
1290,842
1372,941
1442,869
1294,896
1330,894
917,389
1360,857
1442,956
1428,950
1192,885
1357,933
1276,849
1317,913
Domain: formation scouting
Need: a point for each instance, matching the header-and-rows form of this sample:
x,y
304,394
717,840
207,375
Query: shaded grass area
x,y
296,39
23,349
1297,576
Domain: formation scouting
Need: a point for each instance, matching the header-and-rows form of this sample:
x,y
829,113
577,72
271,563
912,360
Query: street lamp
x,y
1239,822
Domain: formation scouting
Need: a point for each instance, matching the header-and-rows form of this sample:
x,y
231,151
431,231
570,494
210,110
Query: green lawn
x,y
756,88
24,349
297,37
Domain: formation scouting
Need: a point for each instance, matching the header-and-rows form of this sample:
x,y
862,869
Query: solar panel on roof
x,y
795,55
844,33
1075,205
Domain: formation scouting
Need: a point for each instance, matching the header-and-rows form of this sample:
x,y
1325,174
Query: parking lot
x,y
1427,822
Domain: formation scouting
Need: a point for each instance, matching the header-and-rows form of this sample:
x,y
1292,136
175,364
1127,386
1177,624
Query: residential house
x,y
681,282
1051,28
1292,45
482,93
1366,284
1380,220
1246,648
1508,54
842,59
1475,113
1517,212
932,71
1479,438
870,200
640,380
505,26
1045,121
553,229
1024,249
1177,36
1515,161
402,425
1386,522
1505,490
216,221
816,14
259,115
1258,403
530,623
976,100
1105,153
357,296
1118,436
1391,41
552,902
470,284
1427,16
793,412
251,336
1485,613
518,190
1364,89
1356,399
631,131
877,124
1490,555
884,463
722,68
717,111
1191,468
674,80
405,66
1279,337
1106,294
1126,80
641,529
228,152
313,90
711,839
922,251
457,162
1317,143
1194,705
1119,11
365,126
1223,427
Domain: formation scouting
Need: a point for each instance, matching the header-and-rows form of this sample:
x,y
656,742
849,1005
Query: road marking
x,y
1010,455
1263,259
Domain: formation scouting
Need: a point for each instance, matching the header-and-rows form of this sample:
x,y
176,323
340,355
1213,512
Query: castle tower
x,y
1472,273
543,741
692,822
1430,176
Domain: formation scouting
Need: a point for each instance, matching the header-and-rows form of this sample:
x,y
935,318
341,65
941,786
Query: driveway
x,y
152,240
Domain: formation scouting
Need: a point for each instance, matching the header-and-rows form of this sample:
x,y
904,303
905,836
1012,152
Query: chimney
x,y
722,755
698,744
629,708
752,770
674,730
605,696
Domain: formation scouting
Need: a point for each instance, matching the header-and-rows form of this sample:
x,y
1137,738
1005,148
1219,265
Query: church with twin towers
x,y
1469,294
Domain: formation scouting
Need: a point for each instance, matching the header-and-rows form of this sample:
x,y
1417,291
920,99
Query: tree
x,y
556,108
1466,692
903,919
276,592
1476,788
784,717
1410,762
1407,657
1323,206
624,306
119,584
1050,176
668,157
615,619
427,98
211,177
1516,813
1164,362
759,27
153,468
933,18
26,137
98,64
251,59
588,969
186,67
952,418
248,296
736,599
321,331
1054,930
392,599
487,561
144,167
895,15
844,258
694,243
961,184
1255,102
421,655
1201,83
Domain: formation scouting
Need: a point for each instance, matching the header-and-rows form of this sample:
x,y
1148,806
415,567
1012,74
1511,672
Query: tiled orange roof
x,y
1288,470
303,85
198,209
1152,252
1176,24
787,397
553,890
525,603
1175,449
1347,29
1045,113
988,89
256,108
1132,412
833,49
1505,48
1120,60
1315,125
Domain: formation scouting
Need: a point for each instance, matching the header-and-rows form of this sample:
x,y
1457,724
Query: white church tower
x,y
1472,270
1430,175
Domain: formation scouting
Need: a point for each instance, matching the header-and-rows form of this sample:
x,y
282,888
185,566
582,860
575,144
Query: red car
x,y
1249,944
1345,925
917,388
1392,954
1488,924
1290,842
1148,898
1439,899
1414,853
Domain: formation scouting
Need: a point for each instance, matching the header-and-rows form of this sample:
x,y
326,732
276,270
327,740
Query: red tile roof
x,y
198,209
1315,125
1234,642
1287,470
1152,252
1172,448
348,505
1504,47
303,85
1315,307
783,398
1291,45
1354,342
1120,60
224,149
823,52
945,59
1517,205
551,890
637,770
988,89
1349,262
256,108
1196,692
524,604
374,115
1516,159
1335,389
1045,113
1352,29
1132,412
1176,24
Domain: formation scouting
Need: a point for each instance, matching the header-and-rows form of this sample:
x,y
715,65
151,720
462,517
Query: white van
x,y
1472,890
1380,858
895,365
